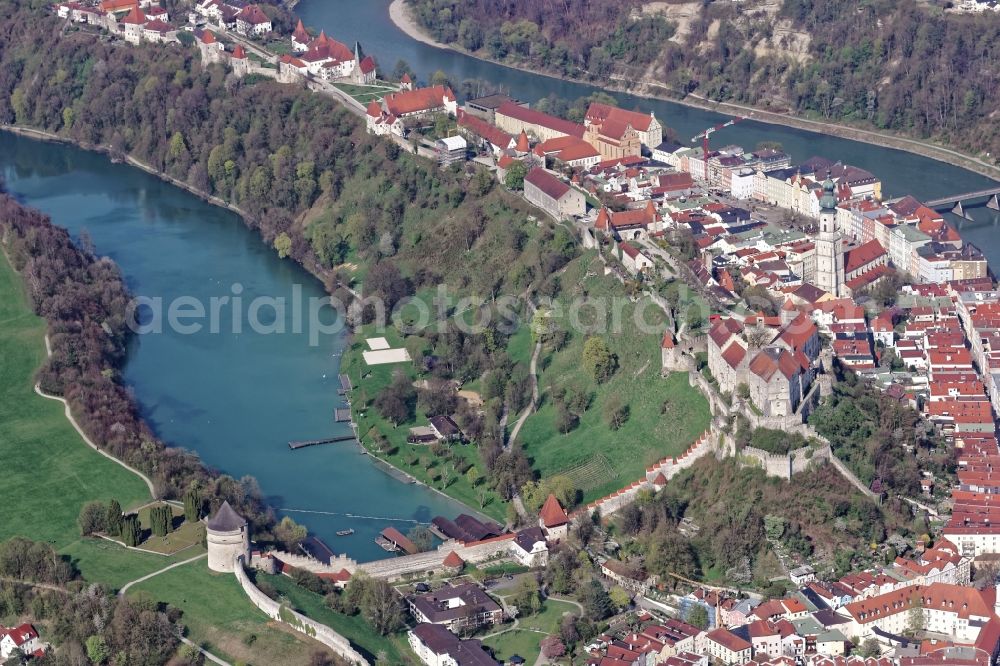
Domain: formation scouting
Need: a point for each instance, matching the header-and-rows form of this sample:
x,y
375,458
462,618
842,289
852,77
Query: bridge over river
x,y
957,200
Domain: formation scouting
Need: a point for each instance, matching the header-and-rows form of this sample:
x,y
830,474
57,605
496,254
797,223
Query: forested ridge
x,y
886,64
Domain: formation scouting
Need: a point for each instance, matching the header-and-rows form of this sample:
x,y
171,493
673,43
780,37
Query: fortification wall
x,y
394,568
784,466
314,565
322,633
621,498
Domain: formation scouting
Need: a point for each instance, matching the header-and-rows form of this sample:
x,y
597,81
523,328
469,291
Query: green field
x,y
525,639
219,617
367,641
665,414
48,473
368,381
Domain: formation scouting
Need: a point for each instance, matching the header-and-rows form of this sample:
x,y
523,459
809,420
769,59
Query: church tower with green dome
x,y
829,244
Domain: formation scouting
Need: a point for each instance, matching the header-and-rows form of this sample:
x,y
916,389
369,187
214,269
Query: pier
x,y
345,385
301,444
342,414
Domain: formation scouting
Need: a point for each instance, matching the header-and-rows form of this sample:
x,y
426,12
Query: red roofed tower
x,y
300,38
406,83
553,517
522,143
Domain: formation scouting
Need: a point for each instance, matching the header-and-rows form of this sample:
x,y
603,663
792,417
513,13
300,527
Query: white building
x,y
23,638
530,548
436,646
252,21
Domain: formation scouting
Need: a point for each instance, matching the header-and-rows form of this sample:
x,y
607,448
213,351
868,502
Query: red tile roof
x,y
417,101
552,513
480,127
550,186
600,113
253,15
734,354
453,561
534,117
728,640
300,35
862,255
239,53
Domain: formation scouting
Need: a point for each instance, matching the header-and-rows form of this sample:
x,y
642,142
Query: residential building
x,y
634,260
252,21
456,607
530,548
23,637
421,102
631,578
436,646
727,647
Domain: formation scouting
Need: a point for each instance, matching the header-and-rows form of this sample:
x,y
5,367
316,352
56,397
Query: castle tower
x,y
227,537
239,61
829,244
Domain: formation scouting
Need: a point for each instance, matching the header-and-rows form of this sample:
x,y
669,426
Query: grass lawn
x,y
219,617
525,640
416,460
361,635
665,414
48,473
184,536
365,94
115,565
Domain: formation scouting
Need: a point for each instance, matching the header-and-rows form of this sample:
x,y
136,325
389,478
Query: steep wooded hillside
x,y
887,64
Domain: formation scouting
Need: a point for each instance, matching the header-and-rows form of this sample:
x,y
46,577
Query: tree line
x,y
86,623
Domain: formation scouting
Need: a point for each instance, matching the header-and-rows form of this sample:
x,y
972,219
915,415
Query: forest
x,y
889,65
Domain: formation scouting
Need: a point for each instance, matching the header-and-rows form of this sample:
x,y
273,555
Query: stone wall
x,y
322,633
784,466
395,568
311,564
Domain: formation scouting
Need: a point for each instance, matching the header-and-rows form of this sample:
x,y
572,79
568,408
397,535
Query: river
x,y
901,172
235,399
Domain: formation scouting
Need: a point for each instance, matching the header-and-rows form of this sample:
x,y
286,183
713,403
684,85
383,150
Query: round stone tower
x,y
227,538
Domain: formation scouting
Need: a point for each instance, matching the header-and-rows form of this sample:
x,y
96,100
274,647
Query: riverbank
x,y
326,277
401,16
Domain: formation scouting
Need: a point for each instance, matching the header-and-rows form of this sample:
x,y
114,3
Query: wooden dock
x,y
301,444
342,414
345,385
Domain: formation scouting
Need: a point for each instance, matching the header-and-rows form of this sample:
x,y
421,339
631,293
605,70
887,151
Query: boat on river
x,y
348,532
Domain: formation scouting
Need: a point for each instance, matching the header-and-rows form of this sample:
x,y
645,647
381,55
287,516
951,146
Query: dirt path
x,y
121,592
83,435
